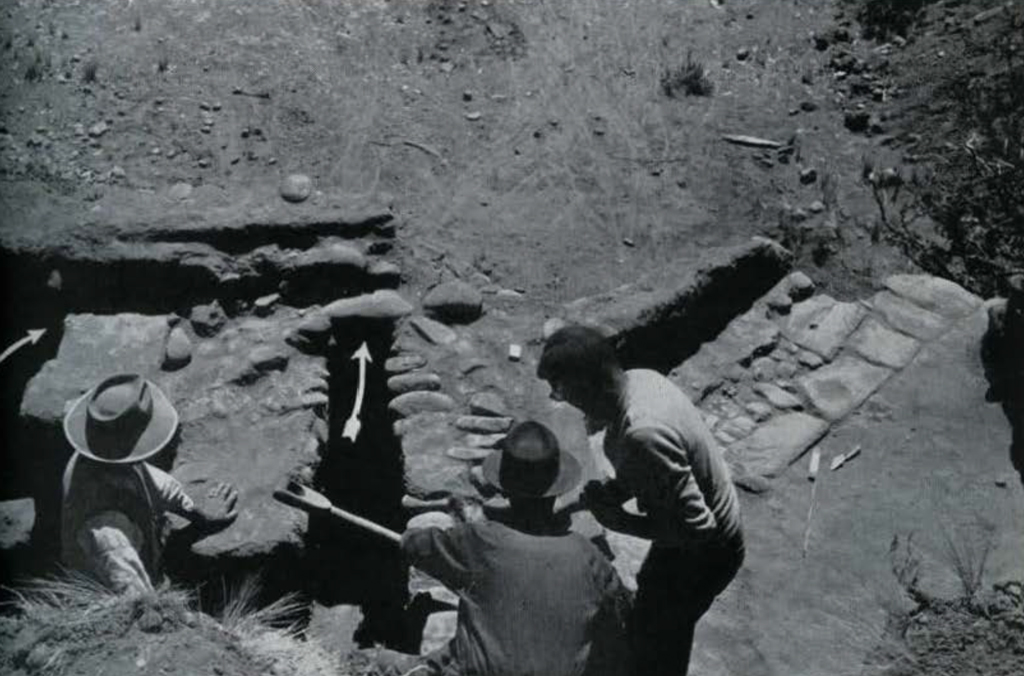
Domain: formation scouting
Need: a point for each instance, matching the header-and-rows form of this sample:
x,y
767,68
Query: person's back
x,y
531,605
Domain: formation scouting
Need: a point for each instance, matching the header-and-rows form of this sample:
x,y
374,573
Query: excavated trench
x,y
335,563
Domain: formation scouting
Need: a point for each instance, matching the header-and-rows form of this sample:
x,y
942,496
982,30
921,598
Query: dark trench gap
x,y
346,564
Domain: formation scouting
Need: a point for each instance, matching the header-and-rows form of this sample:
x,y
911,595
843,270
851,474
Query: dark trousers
x,y
674,589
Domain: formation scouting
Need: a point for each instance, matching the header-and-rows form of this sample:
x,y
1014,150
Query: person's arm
x,y
171,497
660,475
440,553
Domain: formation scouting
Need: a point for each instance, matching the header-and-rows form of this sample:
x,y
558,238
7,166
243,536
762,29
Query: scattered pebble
x,y
743,53
178,352
808,175
98,129
515,352
473,116
816,207
296,187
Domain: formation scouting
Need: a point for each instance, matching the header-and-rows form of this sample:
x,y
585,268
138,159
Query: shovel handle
x,y
294,500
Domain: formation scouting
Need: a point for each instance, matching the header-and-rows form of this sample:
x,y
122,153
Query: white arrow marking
x,y
33,337
352,425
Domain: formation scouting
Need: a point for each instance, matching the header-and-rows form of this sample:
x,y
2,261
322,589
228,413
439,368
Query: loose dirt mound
x,y
984,635
73,628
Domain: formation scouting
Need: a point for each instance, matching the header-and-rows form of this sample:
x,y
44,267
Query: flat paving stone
x,y
403,363
482,424
383,304
411,403
777,443
935,294
414,382
882,345
840,387
821,324
907,317
433,331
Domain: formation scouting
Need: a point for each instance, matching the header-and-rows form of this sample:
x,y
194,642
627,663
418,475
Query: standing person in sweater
x,y
666,458
114,503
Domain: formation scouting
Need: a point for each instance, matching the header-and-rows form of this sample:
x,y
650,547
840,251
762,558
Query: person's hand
x,y
219,507
602,493
610,515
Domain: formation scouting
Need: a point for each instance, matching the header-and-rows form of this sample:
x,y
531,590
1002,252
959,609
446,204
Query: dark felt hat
x,y
529,463
124,419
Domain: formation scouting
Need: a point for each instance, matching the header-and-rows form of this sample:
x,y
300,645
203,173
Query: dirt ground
x,y
528,141
523,144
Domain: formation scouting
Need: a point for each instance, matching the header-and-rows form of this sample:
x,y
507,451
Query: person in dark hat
x,y
533,597
665,458
114,504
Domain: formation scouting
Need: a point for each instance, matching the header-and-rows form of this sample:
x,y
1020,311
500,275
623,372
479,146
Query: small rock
x,y
743,53
808,106
759,410
777,396
738,427
809,359
488,404
268,358
454,301
296,187
786,369
404,362
117,172
413,382
208,319
816,207
264,305
469,454
480,424
432,331
800,286
98,129
780,303
180,191
515,352
411,403
752,483
808,175
474,115
484,440
763,368
442,520
150,621
178,351
551,325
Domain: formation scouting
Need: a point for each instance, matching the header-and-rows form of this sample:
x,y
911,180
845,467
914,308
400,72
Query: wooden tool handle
x,y
289,498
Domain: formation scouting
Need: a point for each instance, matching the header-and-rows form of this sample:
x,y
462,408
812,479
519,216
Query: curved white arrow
x,y
33,337
352,425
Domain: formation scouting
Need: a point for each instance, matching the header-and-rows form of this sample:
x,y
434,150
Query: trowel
x,y
311,501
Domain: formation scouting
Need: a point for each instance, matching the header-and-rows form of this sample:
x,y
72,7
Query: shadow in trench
x,y
366,477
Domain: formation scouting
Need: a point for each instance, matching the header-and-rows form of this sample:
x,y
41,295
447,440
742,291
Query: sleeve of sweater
x,y
441,553
658,471
170,495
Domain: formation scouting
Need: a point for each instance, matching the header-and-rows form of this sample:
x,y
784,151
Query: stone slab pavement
x,y
934,462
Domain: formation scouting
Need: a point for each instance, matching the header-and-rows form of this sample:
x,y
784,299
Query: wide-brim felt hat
x,y
124,419
538,470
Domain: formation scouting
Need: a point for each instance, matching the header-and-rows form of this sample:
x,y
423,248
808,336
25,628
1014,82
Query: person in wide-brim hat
x,y
530,464
114,502
534,596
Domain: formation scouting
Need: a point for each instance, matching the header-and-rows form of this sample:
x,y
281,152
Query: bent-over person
x,y
666,458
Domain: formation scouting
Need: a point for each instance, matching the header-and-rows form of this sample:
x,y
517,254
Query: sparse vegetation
x,y
690,78
884,18
37,66
90,69
967,550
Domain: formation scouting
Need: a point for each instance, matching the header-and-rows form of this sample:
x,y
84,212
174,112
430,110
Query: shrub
x,y
690,78
882,18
